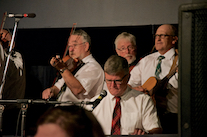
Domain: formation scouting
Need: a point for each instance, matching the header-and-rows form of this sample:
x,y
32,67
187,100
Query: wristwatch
x,y
62,70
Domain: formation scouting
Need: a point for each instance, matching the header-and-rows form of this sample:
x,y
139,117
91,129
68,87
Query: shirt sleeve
x,y
91,75
60,83
135,78
149,113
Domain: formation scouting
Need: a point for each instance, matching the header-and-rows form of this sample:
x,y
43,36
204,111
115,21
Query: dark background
x,y
37,46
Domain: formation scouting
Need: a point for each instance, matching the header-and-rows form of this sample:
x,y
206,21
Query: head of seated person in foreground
x,y
68,121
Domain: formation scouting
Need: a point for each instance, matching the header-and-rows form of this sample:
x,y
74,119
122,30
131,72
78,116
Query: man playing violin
x,y
14,84
165,40
86,82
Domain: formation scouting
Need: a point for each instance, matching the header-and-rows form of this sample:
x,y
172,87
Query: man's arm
x,y
138,131
72,83
155,131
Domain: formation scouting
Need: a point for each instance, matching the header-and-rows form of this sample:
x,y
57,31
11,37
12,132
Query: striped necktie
x,y
158,69
115,128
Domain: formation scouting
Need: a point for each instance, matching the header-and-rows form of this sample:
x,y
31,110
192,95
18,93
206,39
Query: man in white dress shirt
x,y
165,40
138,113
87,82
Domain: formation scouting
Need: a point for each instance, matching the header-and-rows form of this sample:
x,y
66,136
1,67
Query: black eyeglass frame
x,y
118,82
162,36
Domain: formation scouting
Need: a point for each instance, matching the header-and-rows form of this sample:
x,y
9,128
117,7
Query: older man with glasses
x,y
158,65
124,111
125,45
83,82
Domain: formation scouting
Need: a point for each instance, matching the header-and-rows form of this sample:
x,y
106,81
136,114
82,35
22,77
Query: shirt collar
x,y
112,97
169,54
87,58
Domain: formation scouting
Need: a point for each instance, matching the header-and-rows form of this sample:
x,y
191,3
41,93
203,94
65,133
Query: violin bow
x,y
71,32
3,21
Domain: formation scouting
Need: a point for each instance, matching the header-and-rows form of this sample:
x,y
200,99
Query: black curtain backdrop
x,y
37,46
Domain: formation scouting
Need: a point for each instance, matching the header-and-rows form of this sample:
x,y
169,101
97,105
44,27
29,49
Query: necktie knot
x,y
160,58
118,99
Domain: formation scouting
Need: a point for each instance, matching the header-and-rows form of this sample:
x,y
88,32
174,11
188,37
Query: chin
x,y
114,92
131,60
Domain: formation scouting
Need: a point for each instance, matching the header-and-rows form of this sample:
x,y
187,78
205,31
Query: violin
x,y
66,62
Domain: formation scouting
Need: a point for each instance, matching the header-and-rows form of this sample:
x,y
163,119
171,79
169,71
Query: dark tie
x,y
158,69
115,128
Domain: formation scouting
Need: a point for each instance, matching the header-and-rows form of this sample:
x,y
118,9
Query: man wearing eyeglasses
x,y
125,44
158,64
88,79
124,111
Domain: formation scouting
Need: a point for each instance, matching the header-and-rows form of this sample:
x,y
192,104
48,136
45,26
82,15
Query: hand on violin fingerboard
x,y
57,63
66,62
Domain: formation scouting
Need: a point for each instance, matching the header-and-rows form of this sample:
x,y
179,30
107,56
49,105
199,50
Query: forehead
x,y
75,38
164,29
50,130
115,76
123,41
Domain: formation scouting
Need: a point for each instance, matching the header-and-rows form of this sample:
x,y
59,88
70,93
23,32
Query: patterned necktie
x,y
158,69
115,128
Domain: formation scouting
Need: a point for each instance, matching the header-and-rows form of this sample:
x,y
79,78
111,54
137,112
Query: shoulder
x,y
136,94
151,56
92,63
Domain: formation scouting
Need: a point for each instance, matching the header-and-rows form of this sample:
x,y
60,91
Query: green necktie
x,y
158,69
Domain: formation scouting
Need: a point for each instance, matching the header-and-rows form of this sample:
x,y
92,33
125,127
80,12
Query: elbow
x,y
79,91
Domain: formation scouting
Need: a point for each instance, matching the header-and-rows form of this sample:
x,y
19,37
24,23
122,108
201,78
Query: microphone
x,y
29,15
98,100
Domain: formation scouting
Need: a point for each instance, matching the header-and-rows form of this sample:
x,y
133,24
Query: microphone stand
x,y
24,105
9,54
1,112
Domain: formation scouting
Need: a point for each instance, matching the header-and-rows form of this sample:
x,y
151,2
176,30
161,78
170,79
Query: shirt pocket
x,y
129,122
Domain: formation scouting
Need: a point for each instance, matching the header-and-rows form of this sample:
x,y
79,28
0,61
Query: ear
x,y
175,39
87,46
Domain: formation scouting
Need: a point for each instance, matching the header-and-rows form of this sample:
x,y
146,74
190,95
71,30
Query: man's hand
x,y
57,63
138,131
47,93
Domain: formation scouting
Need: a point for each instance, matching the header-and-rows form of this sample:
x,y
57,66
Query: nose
x,y
71,48
113,84
127,51
158,38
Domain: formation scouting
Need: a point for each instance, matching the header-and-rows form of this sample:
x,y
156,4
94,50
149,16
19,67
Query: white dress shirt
x,y
146,68
137,111
91,77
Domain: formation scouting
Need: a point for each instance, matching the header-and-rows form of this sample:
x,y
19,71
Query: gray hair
x,y
116,64
84,35
127,36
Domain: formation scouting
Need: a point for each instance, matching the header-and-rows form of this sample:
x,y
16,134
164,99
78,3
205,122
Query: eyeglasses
x,y
162,36
118,82
75,45
130,48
